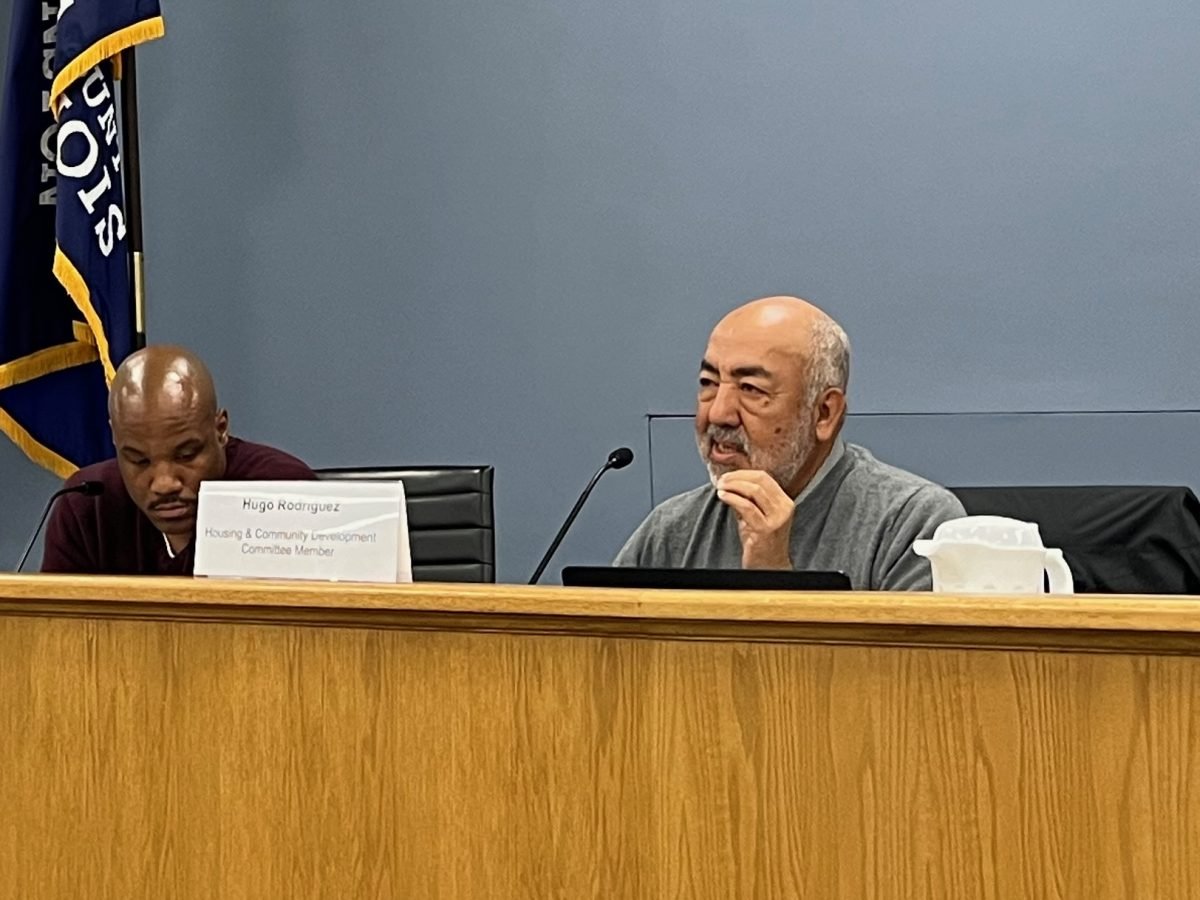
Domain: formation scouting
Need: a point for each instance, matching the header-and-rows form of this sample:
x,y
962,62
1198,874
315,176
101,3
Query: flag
x,y
65,311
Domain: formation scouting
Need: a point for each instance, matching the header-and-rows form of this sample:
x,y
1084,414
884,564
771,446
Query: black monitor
x,y
705,579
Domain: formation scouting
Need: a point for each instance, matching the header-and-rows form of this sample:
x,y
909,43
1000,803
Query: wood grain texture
x,y
509,606
150,757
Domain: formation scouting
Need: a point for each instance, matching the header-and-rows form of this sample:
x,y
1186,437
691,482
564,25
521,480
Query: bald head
x,y
162,378
169,433
789,327
786,315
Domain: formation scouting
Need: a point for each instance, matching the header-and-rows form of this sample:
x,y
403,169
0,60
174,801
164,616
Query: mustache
x,y
175,500
722,434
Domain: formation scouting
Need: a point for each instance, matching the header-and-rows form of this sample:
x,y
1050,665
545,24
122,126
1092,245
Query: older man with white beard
x,y
786,491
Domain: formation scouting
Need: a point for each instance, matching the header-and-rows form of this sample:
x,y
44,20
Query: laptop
x,y
705,579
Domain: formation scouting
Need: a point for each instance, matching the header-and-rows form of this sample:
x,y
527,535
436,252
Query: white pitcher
x,y
993,555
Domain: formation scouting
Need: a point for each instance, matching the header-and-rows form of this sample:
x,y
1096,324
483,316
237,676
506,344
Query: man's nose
x,y
724,409
166,480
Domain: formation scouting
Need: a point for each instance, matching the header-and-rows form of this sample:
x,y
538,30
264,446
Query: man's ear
x,y
831,413
223,427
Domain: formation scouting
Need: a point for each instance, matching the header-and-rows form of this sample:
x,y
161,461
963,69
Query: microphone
x,y
87,488
618,459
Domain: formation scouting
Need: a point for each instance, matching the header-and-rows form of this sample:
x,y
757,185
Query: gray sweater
x,y
858,516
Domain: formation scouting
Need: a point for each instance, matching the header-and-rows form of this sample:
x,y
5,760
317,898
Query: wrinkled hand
x,y
764,517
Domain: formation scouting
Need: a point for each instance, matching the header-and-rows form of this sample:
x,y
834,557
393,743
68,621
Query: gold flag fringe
x,y
111,45
66,272
43,362
37,452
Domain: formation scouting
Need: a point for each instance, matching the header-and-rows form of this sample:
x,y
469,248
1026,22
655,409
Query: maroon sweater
x,y
109,535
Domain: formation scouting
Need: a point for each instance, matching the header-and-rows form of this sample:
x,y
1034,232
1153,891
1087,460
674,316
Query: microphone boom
x,y
618,459
87,488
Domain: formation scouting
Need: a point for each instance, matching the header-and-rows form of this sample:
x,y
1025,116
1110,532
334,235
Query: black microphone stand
x,y
618,459
90,488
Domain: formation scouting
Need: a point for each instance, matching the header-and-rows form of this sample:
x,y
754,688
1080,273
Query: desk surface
x,y
1118,621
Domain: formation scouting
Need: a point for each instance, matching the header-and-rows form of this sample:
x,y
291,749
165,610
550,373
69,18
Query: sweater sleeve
x,y
258,462
897,567
67,548
638,547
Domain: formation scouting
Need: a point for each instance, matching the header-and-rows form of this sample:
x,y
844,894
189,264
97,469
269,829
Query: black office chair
x,y
1120,540
451,524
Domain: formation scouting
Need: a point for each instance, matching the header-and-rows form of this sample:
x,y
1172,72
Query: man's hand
x,y
764,517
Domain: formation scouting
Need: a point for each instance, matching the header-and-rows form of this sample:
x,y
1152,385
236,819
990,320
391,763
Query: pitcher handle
x,y
1061,580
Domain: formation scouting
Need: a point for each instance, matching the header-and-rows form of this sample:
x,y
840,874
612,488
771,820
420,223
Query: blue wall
x,y
459,232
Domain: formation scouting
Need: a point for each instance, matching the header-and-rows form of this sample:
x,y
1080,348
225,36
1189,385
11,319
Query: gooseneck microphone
x,y
618,459
87,488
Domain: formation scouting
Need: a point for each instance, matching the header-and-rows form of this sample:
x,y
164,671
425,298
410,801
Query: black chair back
x,y
451,523
1123,540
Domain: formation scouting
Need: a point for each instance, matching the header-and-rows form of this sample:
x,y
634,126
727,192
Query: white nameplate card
x,y
314,530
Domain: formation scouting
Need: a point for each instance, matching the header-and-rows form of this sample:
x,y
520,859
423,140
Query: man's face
x,y
751,410
164,454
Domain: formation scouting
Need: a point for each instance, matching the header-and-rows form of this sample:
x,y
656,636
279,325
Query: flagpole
x,y
133,194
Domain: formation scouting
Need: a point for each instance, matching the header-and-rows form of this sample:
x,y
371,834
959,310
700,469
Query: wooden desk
x,y
181,739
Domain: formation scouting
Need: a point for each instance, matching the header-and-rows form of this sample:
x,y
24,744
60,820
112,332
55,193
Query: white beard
x,y
782,461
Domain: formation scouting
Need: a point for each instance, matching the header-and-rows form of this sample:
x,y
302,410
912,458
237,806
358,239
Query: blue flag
x,y
65,311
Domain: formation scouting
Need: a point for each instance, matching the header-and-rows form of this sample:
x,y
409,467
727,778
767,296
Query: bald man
x,y
786,491
170,434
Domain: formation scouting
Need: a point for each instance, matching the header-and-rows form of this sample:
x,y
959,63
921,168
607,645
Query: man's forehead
x,y
150,423
173,402
728,355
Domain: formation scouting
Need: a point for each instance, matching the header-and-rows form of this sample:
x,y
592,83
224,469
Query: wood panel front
x,y
231,759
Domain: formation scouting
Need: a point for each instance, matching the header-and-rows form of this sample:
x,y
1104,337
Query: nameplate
x,y
314,530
